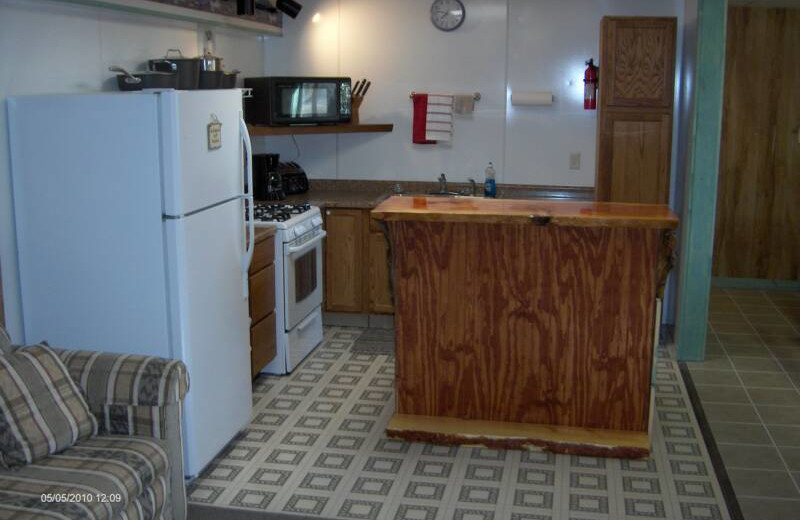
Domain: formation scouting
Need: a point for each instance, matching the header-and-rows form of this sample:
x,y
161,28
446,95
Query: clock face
x,y
447,15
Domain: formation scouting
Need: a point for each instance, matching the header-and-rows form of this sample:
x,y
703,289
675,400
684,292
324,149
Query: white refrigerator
x,y
132,237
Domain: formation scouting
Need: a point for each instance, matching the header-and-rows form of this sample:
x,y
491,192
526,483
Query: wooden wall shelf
x,y
178,12
322,129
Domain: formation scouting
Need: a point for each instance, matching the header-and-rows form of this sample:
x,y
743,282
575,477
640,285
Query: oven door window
x,y
305,275
308,100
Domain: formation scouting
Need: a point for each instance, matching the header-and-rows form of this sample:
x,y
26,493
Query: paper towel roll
x,y
531,99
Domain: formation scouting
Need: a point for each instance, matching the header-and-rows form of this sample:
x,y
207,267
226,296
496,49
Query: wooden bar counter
x,y
526,323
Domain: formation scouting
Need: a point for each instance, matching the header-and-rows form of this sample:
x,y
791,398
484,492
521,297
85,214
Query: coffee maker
x,y
267,183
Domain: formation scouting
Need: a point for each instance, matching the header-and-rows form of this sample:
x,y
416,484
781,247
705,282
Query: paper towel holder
x,y
476,96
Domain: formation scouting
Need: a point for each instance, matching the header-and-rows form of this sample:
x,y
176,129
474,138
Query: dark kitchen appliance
x,y
127,81
281,101
267,183
294,178
187,69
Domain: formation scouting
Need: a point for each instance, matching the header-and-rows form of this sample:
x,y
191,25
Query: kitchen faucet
x,y
442,183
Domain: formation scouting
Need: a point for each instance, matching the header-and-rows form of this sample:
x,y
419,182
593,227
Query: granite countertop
x,y
339,198
366,194
262,233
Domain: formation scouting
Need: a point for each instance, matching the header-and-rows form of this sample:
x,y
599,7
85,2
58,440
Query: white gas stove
x,y
298,280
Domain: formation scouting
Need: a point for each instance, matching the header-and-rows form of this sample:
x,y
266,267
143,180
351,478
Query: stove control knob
x,y
317,221
299,230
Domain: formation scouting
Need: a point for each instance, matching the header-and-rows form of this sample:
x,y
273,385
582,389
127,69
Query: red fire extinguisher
x,y
590,80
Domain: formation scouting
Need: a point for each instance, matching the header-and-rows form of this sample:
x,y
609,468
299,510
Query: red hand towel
x,y
420,120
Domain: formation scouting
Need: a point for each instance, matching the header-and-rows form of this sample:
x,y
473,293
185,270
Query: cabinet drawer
x,y
263,254
262,293
262,343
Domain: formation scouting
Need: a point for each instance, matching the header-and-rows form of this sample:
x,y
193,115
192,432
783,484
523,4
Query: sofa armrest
x,y
126,379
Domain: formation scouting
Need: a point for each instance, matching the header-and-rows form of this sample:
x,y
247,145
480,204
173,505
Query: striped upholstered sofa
x,y
133,467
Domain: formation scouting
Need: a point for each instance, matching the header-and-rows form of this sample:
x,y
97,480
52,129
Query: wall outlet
x,y
575,161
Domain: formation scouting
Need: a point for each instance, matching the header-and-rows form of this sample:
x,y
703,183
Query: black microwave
x,y
281,101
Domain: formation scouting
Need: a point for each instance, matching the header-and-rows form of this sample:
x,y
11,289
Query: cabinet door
x,y
262,293
379,271
344,256
634,157
637,62
262,344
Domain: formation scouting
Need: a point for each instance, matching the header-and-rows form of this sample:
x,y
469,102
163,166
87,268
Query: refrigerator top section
x,y
202,152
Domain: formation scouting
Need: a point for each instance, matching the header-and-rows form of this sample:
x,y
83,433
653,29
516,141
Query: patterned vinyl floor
x,y
316,447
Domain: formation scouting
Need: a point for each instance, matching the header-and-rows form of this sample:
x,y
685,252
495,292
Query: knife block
x,y
355,105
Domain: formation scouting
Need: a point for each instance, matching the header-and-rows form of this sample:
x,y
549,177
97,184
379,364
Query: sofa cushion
x,y
5,341
124,470
42,410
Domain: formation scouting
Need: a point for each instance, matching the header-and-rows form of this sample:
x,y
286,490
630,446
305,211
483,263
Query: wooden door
x,y
344,256
379,270
635,146
637,62
758,221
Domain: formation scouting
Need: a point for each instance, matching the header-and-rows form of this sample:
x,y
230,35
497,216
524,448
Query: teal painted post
x,y
700,199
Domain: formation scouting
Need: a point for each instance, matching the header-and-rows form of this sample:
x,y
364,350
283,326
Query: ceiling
x,y
795,4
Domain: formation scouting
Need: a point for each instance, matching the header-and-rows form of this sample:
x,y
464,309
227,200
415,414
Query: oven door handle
x,y
296,250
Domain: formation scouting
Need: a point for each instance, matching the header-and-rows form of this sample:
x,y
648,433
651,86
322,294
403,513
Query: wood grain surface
x,y
758,221
513,211
635,149
591,442
637,62
525,323
345,257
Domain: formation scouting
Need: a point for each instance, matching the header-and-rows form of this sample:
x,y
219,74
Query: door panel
x,y
635,150
213,326
380,298
638,62
758,224
196,176
344,256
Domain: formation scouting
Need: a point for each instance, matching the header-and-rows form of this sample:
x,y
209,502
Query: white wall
x,y
53,47
503,45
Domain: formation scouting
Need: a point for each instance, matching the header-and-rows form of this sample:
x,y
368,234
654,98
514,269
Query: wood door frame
x,y
702,175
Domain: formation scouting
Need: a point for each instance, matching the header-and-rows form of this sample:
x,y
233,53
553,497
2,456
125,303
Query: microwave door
x,y
307,102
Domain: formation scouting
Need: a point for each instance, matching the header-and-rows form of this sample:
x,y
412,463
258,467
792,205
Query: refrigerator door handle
x,y
248,201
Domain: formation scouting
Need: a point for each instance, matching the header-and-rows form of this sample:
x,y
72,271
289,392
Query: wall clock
x,y
447,15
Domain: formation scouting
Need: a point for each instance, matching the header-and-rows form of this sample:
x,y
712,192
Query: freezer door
x,y
87,198
212,330
202,148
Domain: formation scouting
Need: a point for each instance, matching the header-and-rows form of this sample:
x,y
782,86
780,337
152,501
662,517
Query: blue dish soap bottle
x,y
490,185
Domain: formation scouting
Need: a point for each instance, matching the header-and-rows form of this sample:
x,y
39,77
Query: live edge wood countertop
x,y
526,323
513,211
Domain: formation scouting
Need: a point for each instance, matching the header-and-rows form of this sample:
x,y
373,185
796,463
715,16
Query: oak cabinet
x,y
344,256
262,304
634,137
356,264
638,59
637,149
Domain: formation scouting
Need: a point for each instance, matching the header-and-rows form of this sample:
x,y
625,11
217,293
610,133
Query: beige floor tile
x,y
766,379
792,457
763,483
780,414
719,412
785,435
750,457
737,433
722,394
775,396
755,364
766,509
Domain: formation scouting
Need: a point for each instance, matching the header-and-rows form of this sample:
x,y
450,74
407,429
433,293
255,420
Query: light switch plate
x,y
575,161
